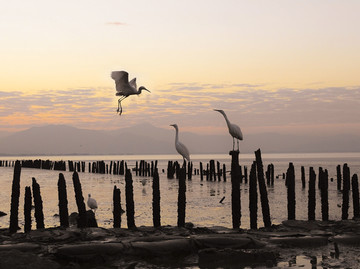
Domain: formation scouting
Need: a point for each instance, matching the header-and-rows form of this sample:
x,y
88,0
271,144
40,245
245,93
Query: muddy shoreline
x,y
316,242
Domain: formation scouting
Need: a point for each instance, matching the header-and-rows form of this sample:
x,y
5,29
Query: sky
x,y
273,66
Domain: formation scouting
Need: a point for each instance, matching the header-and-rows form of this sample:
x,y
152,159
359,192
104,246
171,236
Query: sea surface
x,y
203,207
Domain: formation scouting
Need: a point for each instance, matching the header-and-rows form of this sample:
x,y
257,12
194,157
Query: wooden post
x,y
324,188
272,174
39,215
201,172
63,202
263,192
312,194
253,197
235,190
224,172
15,195
355,192
346,189
290,179
218,170
181,198
245,174
117,207
338,177
27,209
130,206
79,201
156,199
303,177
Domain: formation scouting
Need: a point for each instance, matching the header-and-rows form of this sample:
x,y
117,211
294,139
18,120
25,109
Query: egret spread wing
x,y
121,81
133,83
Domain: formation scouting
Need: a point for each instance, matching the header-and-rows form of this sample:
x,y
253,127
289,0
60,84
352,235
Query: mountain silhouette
x,y
148,139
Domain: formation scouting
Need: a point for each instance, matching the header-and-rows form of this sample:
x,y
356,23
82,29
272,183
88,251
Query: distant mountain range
x,y
148,139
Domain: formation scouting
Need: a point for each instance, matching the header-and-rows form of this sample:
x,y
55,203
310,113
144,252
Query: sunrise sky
x,y
273,66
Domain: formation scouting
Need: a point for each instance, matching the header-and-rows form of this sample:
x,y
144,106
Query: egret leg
x,y
119,104
233,144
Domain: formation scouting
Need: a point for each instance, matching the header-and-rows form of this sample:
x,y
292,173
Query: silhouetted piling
x,y
338,177
312,194
324,188
117,207
355,193
81,223
15,195
245,174
189,172
303,177
235,190
253,207
224,172
122,168
63,202
156,199
130,206
39,215
346,189
263,192
201,172
181,198
290,179
27,209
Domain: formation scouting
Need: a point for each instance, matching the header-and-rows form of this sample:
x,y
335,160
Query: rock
x,y
21,260
302,241
213,258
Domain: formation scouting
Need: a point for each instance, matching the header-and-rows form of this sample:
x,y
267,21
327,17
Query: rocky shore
x,y
295,244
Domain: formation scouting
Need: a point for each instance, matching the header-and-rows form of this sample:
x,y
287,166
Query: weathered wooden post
x,y
290,179
355,192
312,194
27,209
156,199
346,189
245,174
303,177
129,194
253,197
235,190
117,207
224,172
338,177
79,201
181,198
272,174
189,172
63,202
263,192
324,188
15,196
218,170
39,215
201,172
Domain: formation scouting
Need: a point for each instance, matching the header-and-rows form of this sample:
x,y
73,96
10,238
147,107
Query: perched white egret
x,y
91,202
234,130
180,147
124,88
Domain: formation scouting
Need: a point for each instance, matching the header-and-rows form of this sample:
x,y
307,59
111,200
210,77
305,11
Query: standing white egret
x,y
91,202
234,130
180,147
124,88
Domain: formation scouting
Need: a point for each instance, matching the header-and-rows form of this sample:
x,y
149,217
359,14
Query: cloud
x,y
190,105
116,23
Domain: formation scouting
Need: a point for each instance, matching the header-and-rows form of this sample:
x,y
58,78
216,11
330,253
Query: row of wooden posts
x,y
256,181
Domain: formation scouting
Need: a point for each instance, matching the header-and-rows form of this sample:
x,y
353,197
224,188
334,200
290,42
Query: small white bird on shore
x,y
92,204
180,147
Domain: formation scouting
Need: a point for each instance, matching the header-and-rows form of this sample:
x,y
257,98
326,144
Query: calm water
x,y
203,207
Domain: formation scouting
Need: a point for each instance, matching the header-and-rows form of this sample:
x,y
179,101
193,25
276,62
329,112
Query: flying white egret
x,y
91,202
234,130
180,147
124,88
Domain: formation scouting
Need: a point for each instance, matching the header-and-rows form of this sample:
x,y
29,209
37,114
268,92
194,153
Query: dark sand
x,y
295,244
